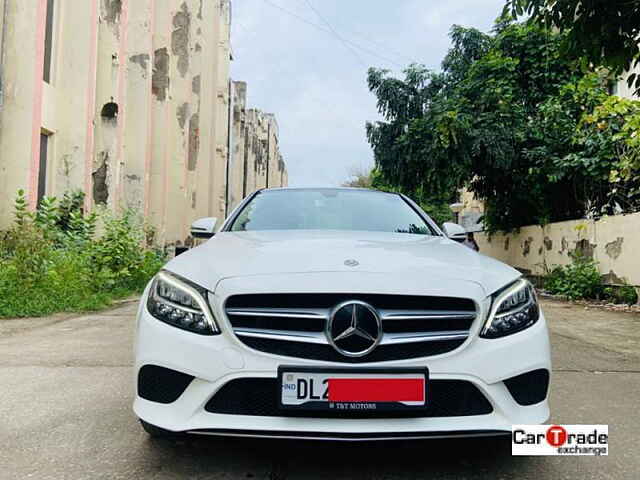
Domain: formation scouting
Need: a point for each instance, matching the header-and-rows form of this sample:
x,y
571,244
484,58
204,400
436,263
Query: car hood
x,y
237,254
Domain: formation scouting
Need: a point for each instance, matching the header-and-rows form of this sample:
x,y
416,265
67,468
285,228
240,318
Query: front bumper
x,y
215,360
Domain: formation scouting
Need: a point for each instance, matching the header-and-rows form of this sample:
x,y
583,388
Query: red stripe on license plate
x,y
376,390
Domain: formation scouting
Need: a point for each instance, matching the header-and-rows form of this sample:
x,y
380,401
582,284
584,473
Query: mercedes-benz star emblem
x,y
354,328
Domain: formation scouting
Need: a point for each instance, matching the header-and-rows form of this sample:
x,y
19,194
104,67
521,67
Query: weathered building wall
x,y
236,168
275,164
252,153
255,160
2,10
122,107
134,109
21,97
611,241
222,124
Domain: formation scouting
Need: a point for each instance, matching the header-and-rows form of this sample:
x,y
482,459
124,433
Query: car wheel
x,y
157,432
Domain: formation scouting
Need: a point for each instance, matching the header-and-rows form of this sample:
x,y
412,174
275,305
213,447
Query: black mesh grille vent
x,y
160,384
529,388
259,396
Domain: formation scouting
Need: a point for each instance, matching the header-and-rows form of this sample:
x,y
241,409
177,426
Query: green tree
x,y
600,32
358,178
435,206
501,118
611,134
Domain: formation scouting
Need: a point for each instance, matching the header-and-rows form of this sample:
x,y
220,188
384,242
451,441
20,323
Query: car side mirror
x,y
454,231
204,227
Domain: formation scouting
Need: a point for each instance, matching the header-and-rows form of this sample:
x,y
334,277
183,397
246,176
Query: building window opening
x,y
42,168
48,42
109,111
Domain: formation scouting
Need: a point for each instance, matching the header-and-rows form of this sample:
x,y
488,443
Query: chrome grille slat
x,y
320,338
394,338
423,315
280,312
285,335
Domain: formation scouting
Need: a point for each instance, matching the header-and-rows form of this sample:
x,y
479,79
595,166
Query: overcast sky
x,y
316,86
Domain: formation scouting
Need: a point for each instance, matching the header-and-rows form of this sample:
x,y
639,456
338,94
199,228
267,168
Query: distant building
x,y
468,211
256,161
621,87
128,100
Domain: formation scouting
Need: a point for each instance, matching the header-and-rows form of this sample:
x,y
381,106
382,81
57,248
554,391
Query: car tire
x,y
157,432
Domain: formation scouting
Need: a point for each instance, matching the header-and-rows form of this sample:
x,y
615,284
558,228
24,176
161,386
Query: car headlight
x,y
181,303
514,308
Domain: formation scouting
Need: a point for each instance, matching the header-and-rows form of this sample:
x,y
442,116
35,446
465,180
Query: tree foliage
x,y
358,178
611,134
504,118
436,207
601,32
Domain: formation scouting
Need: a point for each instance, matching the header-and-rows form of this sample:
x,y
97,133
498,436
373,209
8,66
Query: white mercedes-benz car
x,y
340,314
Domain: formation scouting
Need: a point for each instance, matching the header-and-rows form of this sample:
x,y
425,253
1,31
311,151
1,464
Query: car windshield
x,y
330,209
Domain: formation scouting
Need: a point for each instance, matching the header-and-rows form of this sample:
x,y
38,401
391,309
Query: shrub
x,y
625,294
52,261
580,279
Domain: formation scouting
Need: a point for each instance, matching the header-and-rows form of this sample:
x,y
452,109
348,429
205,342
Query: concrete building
x,y
256,161
621,87
468,211
128,100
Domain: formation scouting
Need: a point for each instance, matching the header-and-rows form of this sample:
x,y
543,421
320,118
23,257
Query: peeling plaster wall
x,y
611,241
19,90
254,149
203,87
236,168
139,75
132,106
177,194
221,107
2,6
273,151
137,110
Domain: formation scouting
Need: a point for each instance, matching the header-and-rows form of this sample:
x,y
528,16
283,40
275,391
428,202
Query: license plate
x,y
353,389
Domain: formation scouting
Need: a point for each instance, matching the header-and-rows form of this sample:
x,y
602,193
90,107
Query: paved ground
x,y
65,412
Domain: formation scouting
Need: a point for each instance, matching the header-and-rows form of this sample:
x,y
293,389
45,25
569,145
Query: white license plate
x,y
352,389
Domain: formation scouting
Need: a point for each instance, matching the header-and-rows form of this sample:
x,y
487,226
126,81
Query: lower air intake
x,y
529,388
160,384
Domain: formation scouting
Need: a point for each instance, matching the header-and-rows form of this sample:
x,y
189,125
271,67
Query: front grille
x,y
293,325
259,397
160,384
529,388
